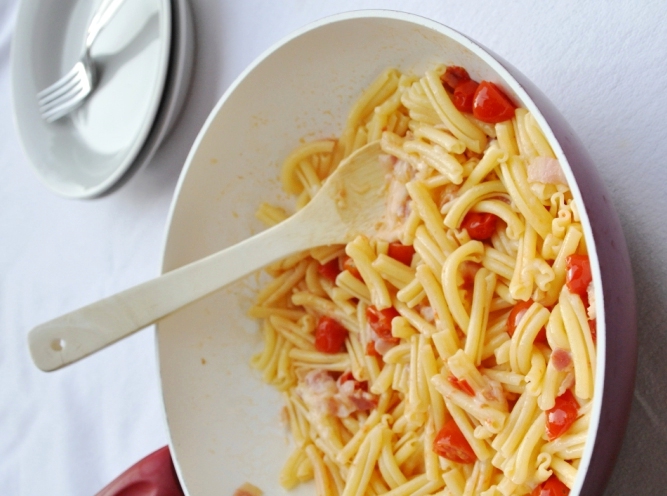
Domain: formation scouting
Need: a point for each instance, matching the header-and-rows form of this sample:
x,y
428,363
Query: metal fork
x,y
71,90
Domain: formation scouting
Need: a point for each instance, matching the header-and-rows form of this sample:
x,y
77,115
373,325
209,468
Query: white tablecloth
x,y
602,63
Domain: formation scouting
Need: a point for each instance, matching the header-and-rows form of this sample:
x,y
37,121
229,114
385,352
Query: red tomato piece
x,y
453,76
401,253
330,270
464,94
578,274
516,314
346,376
541,336
594,330
349,265
491,105
480,226
551,487
461,385
515,317
450,443
329,335
371,350
380,322
562,415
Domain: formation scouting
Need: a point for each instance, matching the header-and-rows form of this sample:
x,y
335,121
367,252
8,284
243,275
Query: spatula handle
x,y
77,334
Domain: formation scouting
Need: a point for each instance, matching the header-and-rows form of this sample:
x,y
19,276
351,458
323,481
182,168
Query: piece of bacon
x,y
248,489
567,383
562,359
387,160
545,170
382,346
340,398
427,312
468,269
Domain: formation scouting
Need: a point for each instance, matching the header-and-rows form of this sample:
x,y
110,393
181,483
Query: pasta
x,y
454,353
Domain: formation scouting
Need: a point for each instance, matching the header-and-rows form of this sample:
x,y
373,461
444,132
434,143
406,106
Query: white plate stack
x,y
144,57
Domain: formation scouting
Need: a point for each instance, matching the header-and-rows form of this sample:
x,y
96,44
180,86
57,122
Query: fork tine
x,y
64,109
65,93
63,90
63,80
76,93
55,109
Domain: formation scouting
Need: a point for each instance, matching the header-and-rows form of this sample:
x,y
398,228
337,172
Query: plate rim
x,y
23,22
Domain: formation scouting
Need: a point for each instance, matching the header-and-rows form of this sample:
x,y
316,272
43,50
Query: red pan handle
x,y
152,476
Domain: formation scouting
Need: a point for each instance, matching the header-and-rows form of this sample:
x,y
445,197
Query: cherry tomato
x,y
480,226
330,270
461,385
329,335
453,76
464,95
346,376
491,105
515,317
516,314
450,443
401,253
578,274
349,265
551,487
371,350
562,415
380,322
541,336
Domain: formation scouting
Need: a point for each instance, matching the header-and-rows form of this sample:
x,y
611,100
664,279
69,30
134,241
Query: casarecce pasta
x,y
454,352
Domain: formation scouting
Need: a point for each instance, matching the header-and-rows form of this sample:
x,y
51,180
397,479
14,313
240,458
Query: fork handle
x,y
104,13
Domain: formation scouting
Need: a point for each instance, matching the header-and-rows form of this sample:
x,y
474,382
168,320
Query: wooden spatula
x,y
351,202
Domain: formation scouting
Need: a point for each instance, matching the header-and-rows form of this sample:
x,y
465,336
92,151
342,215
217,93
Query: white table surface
x,y
602,63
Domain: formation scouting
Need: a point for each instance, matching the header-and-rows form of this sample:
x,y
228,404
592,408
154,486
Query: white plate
x,y
86,153
175,90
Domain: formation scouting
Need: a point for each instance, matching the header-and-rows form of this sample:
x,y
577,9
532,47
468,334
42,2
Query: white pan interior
x,y
224,422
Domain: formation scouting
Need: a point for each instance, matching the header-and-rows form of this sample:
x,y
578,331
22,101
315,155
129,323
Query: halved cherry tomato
x,y
480,226
464,95
345,376
450,443
401,253
578,274
329,335
453,76
491,105
551,487
380,322
350,266
461,385
516,314
330,270
371,350
562,415
515,317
